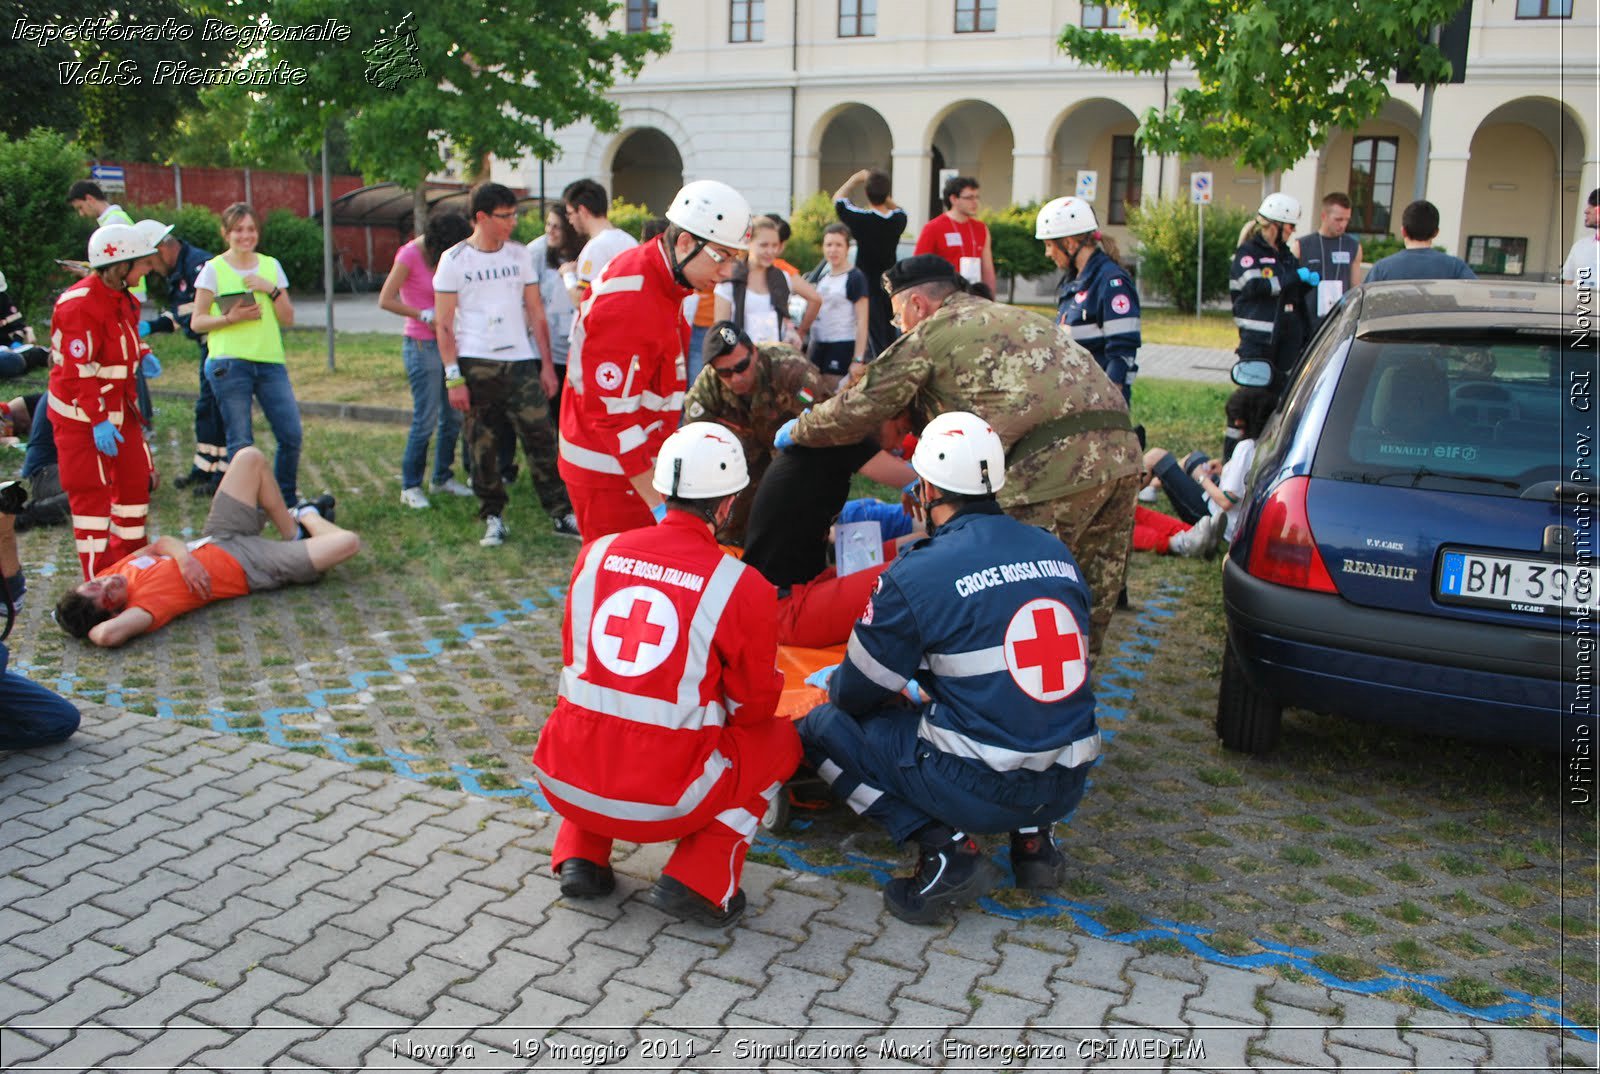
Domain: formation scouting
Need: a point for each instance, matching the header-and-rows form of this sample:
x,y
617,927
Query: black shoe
x,y
1037,862
207,488
1122,598
190,478
567,526
949,875
323,504
584,879
672,897
35,358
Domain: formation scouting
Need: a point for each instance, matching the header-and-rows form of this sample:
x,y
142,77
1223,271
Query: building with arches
x,y
783,98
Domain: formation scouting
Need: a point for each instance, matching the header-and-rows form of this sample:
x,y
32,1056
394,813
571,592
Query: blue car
x,y
1417,540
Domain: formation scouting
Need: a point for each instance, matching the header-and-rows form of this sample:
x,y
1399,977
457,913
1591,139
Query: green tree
x,y
107,89
1168,233
1016,251
416,83
36,224
1276,77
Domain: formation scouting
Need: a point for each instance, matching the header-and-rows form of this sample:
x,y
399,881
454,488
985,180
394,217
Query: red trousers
x,y
1153,529
713,840
109,497
603,509
824,611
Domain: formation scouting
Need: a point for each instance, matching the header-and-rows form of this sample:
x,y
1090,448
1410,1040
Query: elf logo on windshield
x,y
1455,451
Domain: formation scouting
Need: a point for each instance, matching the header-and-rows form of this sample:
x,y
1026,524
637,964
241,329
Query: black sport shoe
x,y
191,478
567,526
1037,862
324,505
950,875
584,879
672,897
35,358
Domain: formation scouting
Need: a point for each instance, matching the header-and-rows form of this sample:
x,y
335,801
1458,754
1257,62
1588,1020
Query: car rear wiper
x,y
1421,472
1562,491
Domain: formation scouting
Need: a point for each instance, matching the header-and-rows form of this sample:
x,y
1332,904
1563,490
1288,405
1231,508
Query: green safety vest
x,y
255,341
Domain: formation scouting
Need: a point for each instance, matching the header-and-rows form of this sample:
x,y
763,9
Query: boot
x,y
1037,862
951,872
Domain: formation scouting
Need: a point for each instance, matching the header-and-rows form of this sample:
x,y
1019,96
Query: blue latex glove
x,y
660,512
106,438
150,366
1310,278
914,692
785,438
911,489
144,329
820,677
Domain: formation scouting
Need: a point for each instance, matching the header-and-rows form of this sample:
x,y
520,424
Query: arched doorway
x,y
646,169
973,138
1097,135
853,137
1524,156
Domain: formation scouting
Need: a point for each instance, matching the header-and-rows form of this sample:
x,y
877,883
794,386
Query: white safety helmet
x,y
961,453
154,230
713,211
1061,217
1281,208
701,461
116,243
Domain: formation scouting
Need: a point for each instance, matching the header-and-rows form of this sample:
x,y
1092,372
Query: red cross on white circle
x,y
1045,651
634,630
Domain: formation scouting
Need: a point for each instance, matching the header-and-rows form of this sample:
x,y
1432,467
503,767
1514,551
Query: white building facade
x,y
783,98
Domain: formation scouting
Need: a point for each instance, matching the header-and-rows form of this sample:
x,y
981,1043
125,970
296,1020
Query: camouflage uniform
x,y
506,399
1072,462
786,384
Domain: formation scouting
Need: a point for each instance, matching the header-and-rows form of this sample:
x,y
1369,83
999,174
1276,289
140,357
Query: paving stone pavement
x,y
176,899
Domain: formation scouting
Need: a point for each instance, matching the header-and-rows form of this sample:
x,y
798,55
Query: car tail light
x,y
1283,550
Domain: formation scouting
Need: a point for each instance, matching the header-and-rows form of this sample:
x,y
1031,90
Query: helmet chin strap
x,y
677,265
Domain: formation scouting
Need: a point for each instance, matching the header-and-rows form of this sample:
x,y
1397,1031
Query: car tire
x,y
1248,721
776,818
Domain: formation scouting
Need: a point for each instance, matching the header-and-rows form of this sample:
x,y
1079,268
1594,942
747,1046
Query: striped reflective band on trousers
x,y
687,802
1117,326
859,799
1001,759
1253,326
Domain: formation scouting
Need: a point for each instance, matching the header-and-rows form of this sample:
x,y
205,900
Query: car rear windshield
x,y
1487,413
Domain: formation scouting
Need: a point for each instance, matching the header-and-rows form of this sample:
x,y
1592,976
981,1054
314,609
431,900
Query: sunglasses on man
x,y
731,371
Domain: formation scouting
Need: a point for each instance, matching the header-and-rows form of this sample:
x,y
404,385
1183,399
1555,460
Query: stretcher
x,y
805,789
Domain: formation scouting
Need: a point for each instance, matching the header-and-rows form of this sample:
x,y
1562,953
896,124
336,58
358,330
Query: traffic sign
x,y
1087,184
109,176
1200,188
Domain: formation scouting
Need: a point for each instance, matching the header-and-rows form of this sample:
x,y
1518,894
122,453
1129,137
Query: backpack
x,y
777,286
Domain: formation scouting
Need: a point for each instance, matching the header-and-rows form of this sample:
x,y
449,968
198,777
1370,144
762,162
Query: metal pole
x,y
1200,262
327,245
1419,185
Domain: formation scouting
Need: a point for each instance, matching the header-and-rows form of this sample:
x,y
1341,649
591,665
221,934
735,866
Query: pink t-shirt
x,y
418,289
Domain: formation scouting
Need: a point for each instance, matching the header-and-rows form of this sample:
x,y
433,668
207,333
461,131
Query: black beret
x,y
923,268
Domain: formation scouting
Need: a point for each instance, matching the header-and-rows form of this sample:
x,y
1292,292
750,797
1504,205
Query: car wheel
x,y
776,818
1248,720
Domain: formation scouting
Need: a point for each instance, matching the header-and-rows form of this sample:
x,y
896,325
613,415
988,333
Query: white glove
x,y
426,317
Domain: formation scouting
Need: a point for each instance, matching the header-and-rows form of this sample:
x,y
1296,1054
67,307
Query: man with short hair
x,y
89,200
665,725
587,212
1334,256
153,585
180,262
1419,226
987,616
1071,454
876,230
958,236
626,369
1582,267
487,304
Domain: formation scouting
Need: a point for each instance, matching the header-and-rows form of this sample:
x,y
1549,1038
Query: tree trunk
x,y
419,207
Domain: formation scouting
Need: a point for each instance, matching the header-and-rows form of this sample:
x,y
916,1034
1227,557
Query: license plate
x,y
1516,583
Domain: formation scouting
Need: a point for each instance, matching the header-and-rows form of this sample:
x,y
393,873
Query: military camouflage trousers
x,y
1096,525
507,395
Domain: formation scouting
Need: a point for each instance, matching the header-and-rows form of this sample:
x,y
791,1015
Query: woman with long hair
x,y
408,291
1267,284
241,300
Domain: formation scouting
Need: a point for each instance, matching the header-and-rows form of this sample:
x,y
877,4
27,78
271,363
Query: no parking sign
x,y
1200,188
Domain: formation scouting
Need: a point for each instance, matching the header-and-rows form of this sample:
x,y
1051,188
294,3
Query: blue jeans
x,y
236,381
429,411
12,364
30,715
697,354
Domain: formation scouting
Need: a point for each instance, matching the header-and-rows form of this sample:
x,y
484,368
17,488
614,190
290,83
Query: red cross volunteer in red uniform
x,y
664,727
626,368
95,353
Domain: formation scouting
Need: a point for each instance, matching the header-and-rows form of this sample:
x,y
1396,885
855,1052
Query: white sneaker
x,y
1147,494
413,497
1199,541
567,526
452,486
494,533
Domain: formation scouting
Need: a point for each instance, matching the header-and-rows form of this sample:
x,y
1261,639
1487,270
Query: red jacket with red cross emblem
x,y
94,353
625,370
667,639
